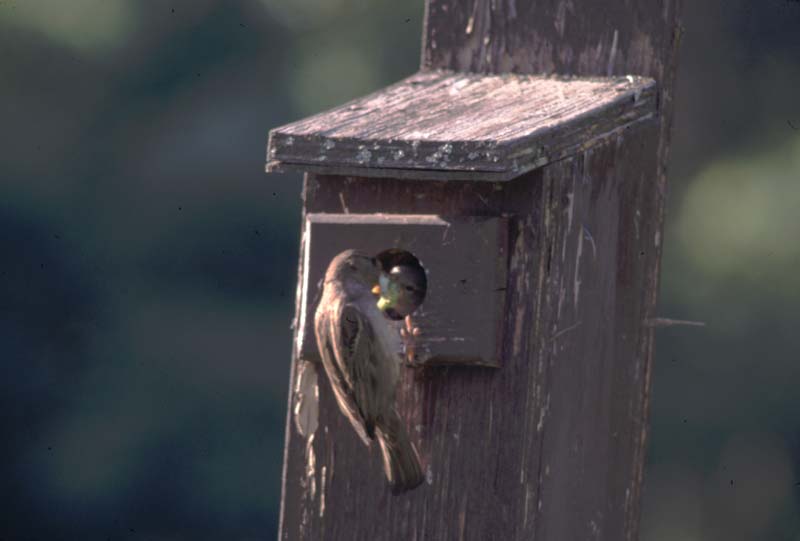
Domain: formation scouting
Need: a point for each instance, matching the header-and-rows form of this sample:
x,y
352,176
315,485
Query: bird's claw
x,y
409,333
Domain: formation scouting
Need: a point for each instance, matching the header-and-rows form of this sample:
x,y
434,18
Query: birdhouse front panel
x,y
464,261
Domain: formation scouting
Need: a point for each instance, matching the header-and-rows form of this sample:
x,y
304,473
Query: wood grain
x,y
440,125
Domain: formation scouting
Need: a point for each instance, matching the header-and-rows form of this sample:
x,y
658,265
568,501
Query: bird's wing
x,y
344,338
356,357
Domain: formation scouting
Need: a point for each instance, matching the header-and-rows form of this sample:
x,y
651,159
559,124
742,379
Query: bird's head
x,y
401,290
356,271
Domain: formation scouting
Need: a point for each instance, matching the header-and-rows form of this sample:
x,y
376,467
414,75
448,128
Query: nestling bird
x,y
354,340
402,290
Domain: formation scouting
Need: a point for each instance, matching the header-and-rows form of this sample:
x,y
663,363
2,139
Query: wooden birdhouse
x,y
523,170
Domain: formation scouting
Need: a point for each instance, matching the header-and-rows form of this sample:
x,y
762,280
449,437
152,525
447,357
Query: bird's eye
x,y
409,288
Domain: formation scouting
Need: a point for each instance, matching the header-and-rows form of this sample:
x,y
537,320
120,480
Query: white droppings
x,y
301,323
311,467
429,475
470,23
322,492
525,509
613,53
472,155
448,235
542,415
441,155
363,155
588,236
456,87
398,154
577,282
289,141
329,144
306,399
570,212
570,209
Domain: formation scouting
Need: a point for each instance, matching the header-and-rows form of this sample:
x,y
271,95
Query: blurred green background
x,y
148,263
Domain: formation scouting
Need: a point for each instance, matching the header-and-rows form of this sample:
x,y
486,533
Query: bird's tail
x,y
400,459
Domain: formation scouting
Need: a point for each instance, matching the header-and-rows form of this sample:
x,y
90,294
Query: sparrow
x,y
401,290
355,342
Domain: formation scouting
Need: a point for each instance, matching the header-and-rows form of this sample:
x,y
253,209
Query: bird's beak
x,y
376,290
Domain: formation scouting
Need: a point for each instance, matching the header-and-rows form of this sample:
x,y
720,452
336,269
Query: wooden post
x,y
550,445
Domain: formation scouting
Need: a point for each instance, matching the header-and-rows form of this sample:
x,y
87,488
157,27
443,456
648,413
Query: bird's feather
x,y
357,357
337,369
349,356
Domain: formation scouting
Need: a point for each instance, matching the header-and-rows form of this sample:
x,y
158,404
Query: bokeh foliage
x,y
148,272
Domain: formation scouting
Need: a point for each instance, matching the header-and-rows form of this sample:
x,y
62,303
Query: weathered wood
x,y
442,125
550,431
550,446
465,259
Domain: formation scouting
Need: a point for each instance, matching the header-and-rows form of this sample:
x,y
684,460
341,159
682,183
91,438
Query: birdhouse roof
x,y
443,125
